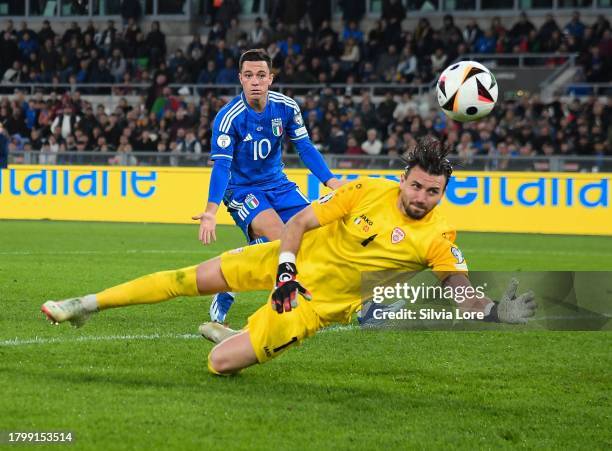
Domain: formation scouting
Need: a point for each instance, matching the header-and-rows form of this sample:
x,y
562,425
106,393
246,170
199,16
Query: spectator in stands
x,y
471,33
387,63
372,145
156,43
229,74
11,75
65,121
601,25
351,55
130,33
337,140
386,108
575,27
450,34
521,29
439,60
486,43
548,28
497,28
407,68
46,32
234,35
27,46
106,39
100,73
352,31
117,65
209,74
259,36
216,33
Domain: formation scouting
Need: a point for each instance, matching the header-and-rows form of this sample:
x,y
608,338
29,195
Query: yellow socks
x,y
156,287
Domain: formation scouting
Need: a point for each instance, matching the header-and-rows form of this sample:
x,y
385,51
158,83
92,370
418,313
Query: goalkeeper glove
x,y
287,288
512,309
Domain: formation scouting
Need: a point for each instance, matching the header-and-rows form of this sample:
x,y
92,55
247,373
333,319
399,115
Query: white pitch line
x,y
93,338
126,251
87,338
335,328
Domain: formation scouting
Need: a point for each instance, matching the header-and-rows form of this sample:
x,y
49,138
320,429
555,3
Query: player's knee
x,y
271,230
220,364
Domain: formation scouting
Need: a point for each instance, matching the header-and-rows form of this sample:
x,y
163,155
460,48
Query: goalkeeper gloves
x,y
287,288
512,309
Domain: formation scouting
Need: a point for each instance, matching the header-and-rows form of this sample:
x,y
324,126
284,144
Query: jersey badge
x,y
457,254
277,126
397,235
298,119
251,202
223,141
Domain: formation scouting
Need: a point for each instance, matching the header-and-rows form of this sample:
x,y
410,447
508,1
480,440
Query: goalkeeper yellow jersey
x,y
364,230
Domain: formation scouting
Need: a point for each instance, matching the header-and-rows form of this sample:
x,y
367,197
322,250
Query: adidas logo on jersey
x,y
248,138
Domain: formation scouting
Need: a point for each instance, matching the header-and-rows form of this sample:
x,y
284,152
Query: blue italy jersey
x,y
252,141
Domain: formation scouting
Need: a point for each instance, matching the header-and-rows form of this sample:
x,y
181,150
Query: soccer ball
x,y
467,91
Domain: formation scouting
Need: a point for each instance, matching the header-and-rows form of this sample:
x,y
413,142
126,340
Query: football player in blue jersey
x,y
247,174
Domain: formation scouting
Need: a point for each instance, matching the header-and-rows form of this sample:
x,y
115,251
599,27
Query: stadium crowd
x,y
170,122
301,53
174,125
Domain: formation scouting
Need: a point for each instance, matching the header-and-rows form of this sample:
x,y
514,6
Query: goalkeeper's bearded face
x,y
420,192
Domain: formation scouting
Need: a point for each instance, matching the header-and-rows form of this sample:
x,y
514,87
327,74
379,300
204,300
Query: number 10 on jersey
x,y
261,149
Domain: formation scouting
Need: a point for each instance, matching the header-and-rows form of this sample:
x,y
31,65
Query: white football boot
x,y
216,332
72,310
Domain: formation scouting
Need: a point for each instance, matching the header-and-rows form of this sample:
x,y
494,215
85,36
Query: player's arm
x,y
511,308
222,155
312,158
329,208
450,267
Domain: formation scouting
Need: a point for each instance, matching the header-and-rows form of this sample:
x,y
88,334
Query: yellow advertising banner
x,y
534,202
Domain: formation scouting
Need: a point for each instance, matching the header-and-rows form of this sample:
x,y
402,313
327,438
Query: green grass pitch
x,y
135,378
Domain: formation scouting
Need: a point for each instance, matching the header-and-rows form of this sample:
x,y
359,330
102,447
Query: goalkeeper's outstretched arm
x,y
510,308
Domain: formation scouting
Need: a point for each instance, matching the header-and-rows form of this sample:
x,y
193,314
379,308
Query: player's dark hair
x,y
255,55
430,155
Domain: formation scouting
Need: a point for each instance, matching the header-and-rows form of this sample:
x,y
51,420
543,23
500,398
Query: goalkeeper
x,y
365,225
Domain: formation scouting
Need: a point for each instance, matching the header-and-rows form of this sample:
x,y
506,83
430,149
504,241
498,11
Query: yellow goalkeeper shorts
x,y
254,268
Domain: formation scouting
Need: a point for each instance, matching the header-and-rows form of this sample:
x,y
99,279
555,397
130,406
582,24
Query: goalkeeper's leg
x,y
261,226
202,279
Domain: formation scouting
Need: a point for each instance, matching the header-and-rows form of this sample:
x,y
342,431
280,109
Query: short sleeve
x,y
444,257
339,203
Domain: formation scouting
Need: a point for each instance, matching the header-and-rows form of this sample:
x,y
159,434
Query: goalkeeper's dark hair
x,y
430,155
255,55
